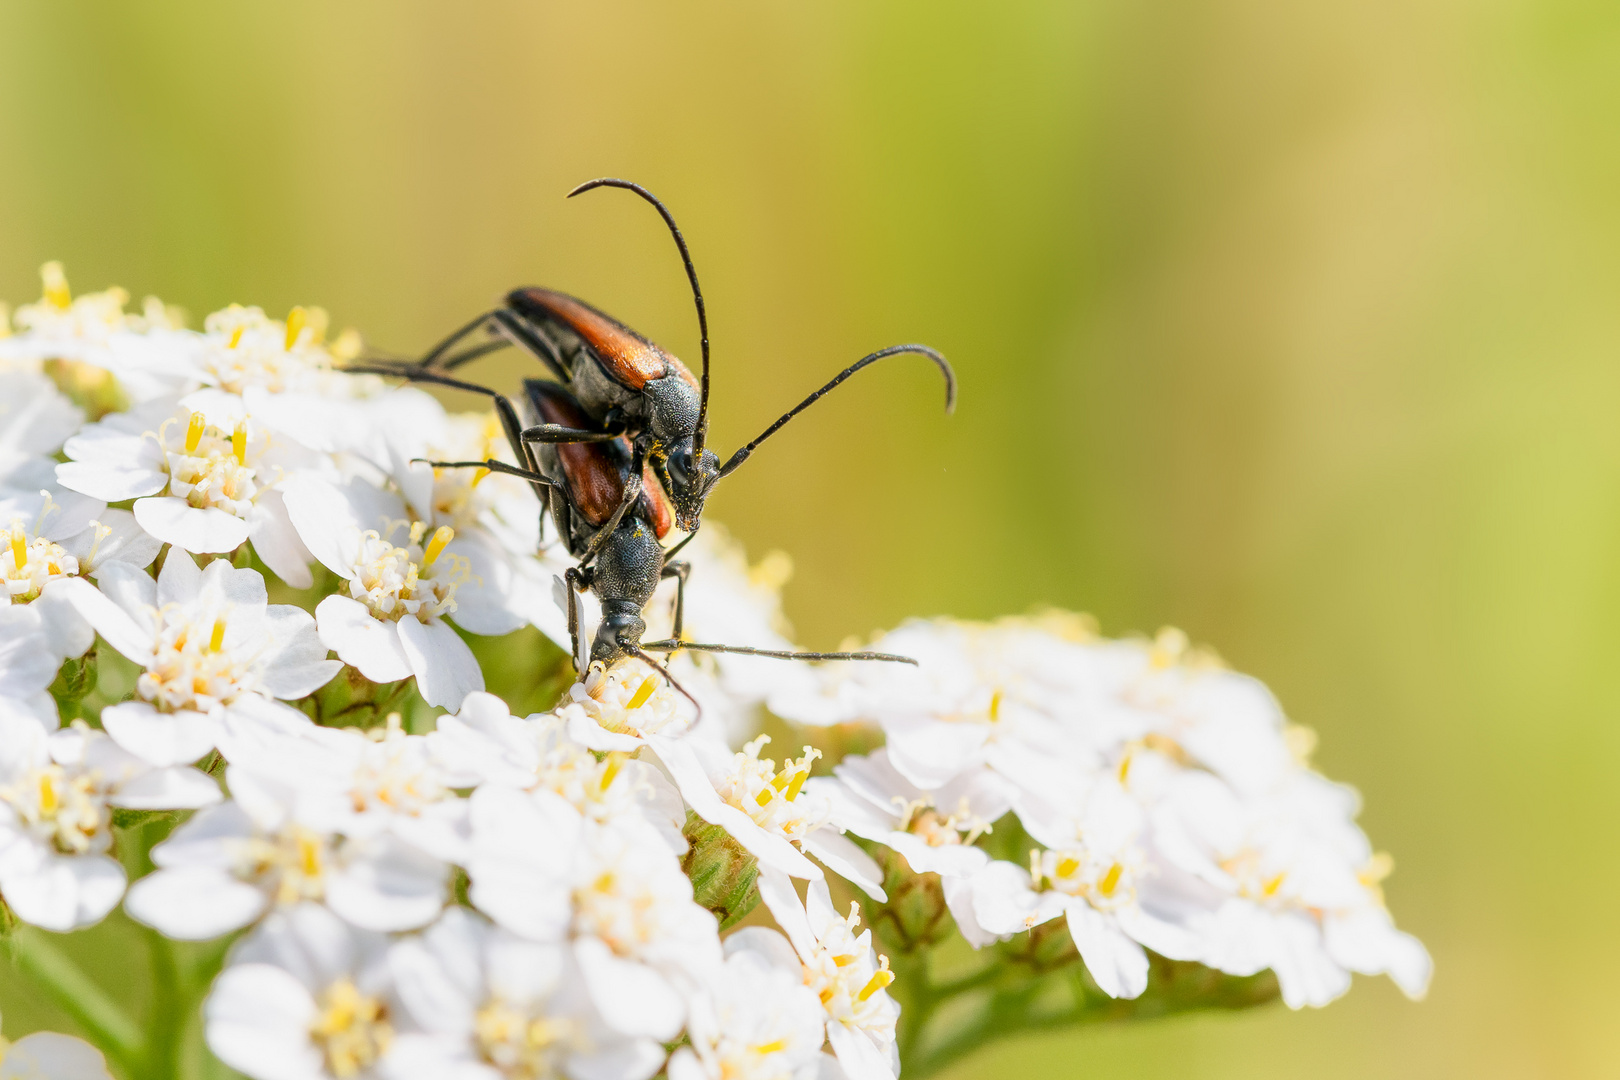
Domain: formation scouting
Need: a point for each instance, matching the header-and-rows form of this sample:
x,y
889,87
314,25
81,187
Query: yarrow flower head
x,y
57,793
400,584
211,648
843,970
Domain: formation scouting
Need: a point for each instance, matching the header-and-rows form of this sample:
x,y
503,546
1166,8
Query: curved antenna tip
x,y
600,181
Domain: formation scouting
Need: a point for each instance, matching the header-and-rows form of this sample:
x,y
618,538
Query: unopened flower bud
x,y
722,871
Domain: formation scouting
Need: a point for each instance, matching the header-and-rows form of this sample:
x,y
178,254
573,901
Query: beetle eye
x,y
680,465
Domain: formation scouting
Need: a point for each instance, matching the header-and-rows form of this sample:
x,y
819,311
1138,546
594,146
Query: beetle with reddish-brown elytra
x,y
627,384
628,408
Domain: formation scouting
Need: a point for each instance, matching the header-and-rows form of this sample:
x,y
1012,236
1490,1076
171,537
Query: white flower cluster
x,y
1169,801
509,897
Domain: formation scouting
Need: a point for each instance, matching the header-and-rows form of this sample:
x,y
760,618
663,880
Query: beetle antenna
x,y
645,658
691,274
893,350
673,645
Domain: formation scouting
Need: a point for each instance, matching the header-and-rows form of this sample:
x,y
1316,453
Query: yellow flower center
x,y
391,582
352,1030
520,1045
292,863
191,668
63,808
28,563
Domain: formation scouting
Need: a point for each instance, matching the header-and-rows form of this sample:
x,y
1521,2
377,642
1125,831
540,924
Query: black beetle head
x,y
689,477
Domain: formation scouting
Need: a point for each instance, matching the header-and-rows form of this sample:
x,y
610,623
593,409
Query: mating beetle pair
x,y
615,446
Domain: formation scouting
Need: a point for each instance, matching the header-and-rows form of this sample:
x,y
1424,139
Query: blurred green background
x,y
1289,322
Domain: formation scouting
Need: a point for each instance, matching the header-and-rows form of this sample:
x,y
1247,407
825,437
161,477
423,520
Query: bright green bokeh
x,y
1292,323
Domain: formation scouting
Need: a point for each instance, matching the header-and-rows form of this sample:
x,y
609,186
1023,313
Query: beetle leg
x,y
557,433
468,355
492,465
524,333
672,552
432,356
679,571
504,409
578,579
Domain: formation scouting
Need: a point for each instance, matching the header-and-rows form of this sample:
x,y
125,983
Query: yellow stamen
x,y
19,546
771,1047
880,978
766,794
217,640
236,336
296,319
478,474
643,692
239,442
995,706
610,769
1271,885
798,782
56,286
441,536
309,856
1110,880
194,431
1067,866
47,795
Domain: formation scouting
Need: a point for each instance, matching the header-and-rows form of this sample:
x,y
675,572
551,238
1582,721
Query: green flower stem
x,y
108,1026
172,1003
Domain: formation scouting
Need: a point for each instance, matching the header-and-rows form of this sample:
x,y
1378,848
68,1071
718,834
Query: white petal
x,y
193,903
47,1055
393,888
180,580
632,997
258,1019
65,892
35,417
483,604
297,665
782,901
160,739
1306,973
175,521
174,788
1118,964
930,752
857,1054
841,855
26,664
446,670
67,633
111,483
276,541
1004,903
126,542
371,646
120,608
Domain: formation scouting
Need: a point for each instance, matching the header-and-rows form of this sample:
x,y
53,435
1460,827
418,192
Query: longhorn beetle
x,y
615,448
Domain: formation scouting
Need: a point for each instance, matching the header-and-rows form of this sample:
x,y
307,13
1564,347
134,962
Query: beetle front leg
x,y
679,571
577,580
